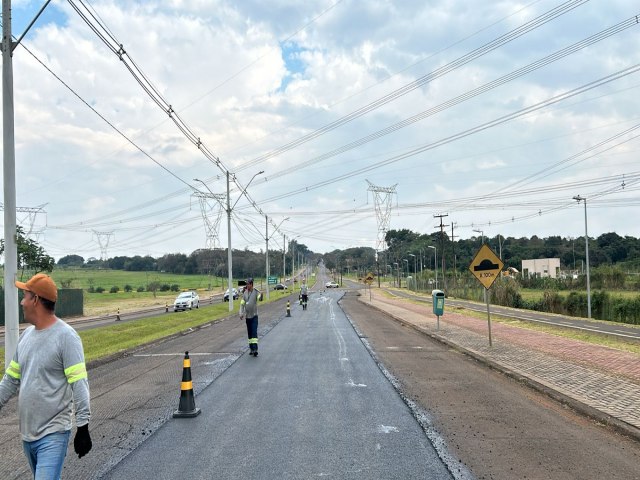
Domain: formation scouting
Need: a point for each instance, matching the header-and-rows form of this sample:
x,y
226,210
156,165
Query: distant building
x,y
541,268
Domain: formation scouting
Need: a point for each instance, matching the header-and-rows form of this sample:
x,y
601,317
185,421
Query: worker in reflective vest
x,y
249,312
304,295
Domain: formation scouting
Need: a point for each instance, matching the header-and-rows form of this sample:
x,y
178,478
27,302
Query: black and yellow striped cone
x,y
187,406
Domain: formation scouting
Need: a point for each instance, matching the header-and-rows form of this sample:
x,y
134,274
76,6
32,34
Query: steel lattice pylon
x,y
103,241
382,203
211,214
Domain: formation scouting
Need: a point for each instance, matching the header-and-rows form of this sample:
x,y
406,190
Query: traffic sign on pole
x,y
486,266
272,280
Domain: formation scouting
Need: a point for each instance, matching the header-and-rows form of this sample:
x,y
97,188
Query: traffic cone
x,y
288,308
187,407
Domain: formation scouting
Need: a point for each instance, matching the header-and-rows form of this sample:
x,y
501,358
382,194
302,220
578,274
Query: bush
x,y
99,289
91,289
175,287
140,289
114,289
165,287
128,288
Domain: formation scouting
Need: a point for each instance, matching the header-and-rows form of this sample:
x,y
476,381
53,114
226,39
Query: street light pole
x,y
435,260
481,232
229,210
415,271
578,198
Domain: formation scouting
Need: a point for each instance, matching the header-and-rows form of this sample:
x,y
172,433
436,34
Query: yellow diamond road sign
x,y
486,266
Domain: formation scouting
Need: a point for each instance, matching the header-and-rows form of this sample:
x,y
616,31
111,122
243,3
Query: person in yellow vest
x,y
249,312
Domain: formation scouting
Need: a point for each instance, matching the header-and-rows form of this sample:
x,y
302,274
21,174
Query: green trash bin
x,y
438,302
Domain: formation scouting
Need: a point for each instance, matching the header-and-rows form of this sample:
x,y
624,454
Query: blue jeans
x,y
46,455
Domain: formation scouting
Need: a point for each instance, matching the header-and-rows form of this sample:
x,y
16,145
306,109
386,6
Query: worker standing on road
x,y
304,295
49,371
249,312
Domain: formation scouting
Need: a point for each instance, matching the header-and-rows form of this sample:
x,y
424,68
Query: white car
x,y
225,297
331,285
186,300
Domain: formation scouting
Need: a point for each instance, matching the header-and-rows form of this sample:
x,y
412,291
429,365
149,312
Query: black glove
x,y
82,441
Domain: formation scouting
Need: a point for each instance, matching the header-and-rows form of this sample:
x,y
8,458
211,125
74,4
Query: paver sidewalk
x,y
599,381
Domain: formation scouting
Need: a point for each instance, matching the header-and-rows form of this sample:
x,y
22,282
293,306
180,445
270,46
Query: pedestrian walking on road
x,y
304,295
48,370
249,312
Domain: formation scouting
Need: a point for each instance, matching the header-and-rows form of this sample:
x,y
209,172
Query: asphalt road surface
x,y
346,396
497,427
313,404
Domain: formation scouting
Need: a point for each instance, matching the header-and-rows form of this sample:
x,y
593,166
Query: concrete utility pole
x,y
444,277
9,172
266,237
578,198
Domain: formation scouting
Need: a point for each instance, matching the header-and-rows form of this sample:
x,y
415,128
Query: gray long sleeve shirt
x,y
49,371
249,303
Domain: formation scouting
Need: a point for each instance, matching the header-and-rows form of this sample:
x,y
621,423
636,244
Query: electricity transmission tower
x,y
211,214
382,203
30,218
103,241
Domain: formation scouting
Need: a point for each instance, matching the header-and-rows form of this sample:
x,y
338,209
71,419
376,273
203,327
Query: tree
x,y
71,261
31,256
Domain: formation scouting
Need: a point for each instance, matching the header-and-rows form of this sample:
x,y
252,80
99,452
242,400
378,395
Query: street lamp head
x,y
578,198
411,255
431,246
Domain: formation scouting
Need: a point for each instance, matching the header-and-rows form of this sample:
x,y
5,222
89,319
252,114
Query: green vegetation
x,y
86,278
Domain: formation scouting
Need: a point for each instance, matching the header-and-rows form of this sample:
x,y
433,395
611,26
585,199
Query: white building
x,y
541,268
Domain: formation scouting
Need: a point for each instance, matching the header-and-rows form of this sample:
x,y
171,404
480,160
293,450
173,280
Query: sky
x,y
362,116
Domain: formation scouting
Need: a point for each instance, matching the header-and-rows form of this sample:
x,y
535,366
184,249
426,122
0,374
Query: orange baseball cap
x,y
42,285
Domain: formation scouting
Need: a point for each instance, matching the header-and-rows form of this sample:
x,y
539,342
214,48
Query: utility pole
x,y
444,277
453,250
284,258
9,172
266,237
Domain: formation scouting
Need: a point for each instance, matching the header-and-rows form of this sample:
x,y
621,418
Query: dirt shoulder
x,y
497,427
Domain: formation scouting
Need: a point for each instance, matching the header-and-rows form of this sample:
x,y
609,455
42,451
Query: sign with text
x,y
486,266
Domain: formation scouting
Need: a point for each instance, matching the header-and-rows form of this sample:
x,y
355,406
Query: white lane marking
x,y
387,429
393,348
417,348
351,383
178,354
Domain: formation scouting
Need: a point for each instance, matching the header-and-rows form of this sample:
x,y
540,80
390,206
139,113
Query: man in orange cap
x,y
49,371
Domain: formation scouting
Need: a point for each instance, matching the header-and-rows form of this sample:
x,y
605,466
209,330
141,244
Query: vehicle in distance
x,y
331,285
279,286
186,300
226,295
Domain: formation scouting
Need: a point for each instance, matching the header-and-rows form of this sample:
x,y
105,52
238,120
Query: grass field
x,y
533,295
85,278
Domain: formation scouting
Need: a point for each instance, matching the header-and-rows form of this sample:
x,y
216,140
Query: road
x,y
340,390
313,404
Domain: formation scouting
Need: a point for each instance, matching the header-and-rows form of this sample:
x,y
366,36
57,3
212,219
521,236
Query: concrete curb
x,y
618,425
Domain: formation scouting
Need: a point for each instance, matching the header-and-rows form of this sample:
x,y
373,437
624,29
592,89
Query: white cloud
x,y
220,65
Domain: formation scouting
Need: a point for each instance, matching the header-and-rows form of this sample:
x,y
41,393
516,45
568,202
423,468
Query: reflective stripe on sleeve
x,y
14,370
76,372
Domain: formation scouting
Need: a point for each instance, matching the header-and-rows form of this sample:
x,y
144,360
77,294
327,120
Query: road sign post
x,y
486,267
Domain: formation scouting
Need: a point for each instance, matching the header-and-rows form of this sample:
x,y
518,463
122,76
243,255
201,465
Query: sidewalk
x,y
598,381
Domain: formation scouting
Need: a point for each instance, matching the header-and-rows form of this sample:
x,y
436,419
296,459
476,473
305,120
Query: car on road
x,y
279,286
226,295
186,300
331,285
